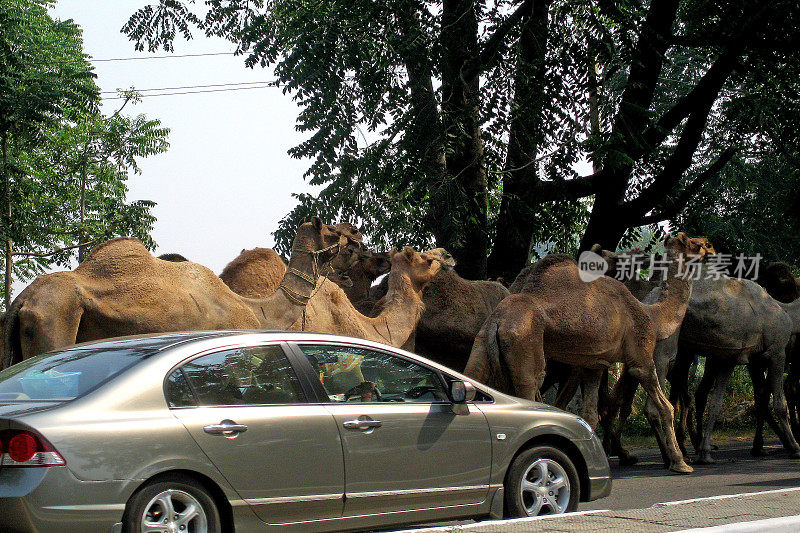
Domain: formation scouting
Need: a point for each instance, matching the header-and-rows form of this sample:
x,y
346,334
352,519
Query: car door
x,y
405,447
246,409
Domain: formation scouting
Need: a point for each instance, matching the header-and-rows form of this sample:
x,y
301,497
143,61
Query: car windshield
x,y
67,374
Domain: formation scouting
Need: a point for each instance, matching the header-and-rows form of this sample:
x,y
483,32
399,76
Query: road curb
x,y
787,524
770,511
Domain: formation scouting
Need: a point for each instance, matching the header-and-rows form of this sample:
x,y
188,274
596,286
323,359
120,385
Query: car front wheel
x,y
541,480
177,504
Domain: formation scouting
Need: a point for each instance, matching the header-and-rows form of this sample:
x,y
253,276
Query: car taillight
x,y
20,448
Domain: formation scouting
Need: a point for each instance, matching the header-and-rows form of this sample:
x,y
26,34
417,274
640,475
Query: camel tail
x,y
486,362
12,347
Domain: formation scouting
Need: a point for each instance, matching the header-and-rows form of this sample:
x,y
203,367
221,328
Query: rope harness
x,y
301,300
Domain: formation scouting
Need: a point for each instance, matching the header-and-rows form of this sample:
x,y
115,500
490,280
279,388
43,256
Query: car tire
x,y
190,504
541,480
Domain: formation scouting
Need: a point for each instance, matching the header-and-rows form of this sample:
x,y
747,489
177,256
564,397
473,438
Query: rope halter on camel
x,y
302,299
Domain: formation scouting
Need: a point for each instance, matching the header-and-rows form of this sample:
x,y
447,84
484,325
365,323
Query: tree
x,y
42,71
462,122
64,164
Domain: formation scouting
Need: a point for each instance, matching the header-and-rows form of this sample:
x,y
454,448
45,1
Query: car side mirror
x,y
462,391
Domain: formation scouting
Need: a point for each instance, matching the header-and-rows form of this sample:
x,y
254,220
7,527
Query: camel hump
x,y
530,278
123,255
256,254
254,273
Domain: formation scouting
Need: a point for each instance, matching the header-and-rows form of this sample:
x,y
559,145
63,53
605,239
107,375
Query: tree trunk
x,y
424,139
513,234
9,244
81,233
463,231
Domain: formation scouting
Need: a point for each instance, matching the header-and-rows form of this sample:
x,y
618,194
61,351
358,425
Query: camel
x,y
588,325
254,273
780,283
176,258
455,310
369,267
257,273
731,322
121,289
330,311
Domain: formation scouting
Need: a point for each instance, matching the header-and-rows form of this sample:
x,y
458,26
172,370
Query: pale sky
x,y
226,180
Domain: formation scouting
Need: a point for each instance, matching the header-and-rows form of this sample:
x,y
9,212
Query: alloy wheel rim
x,y
174,511
545,488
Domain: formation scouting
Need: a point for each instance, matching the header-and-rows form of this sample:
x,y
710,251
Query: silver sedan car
x,y
253,431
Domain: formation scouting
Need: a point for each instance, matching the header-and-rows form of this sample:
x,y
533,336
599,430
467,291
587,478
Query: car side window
x,y
351,374
253,375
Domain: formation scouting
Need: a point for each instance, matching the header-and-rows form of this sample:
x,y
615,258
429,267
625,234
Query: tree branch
x,y
708,87
492,45
676,206
58,251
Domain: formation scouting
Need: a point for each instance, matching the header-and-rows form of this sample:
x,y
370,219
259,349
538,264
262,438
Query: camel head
x,y
347,257
375,264
319,238
444,257
349,231
683,245
420,267
780,282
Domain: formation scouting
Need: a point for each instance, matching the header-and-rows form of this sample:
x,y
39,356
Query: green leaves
x,y
64,164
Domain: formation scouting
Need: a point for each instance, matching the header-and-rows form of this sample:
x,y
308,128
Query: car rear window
x,y
68,374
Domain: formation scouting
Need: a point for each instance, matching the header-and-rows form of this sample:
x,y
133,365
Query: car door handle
x,y
361,424
226,427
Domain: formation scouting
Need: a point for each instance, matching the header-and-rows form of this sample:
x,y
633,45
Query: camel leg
x,y
761,400
792,385
761,394
591,387
664,424
679,395
720,373
776,364
524,349
568,388
701,400
662,368
620,405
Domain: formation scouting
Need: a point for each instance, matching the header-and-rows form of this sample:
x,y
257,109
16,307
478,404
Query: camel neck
x,y
668,312
301,275
793,310
403,294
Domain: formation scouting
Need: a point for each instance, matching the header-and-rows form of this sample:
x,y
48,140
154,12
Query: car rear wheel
x,y
173,505
541,480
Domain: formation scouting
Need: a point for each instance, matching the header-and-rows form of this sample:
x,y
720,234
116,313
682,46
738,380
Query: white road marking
x,y
726,496
786,524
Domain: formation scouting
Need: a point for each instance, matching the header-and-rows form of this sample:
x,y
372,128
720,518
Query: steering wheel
x,y
417,392
358,390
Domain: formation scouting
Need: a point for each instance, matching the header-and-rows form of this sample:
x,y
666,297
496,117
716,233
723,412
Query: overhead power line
x,y
267,82
266,86
170,56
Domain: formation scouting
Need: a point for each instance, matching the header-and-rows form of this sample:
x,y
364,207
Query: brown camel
x,y
254,273
589,325
455,310
369,267
121,289
257,273
330,310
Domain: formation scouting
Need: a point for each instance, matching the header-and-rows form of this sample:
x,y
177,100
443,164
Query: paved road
x,y
636,489
647,482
